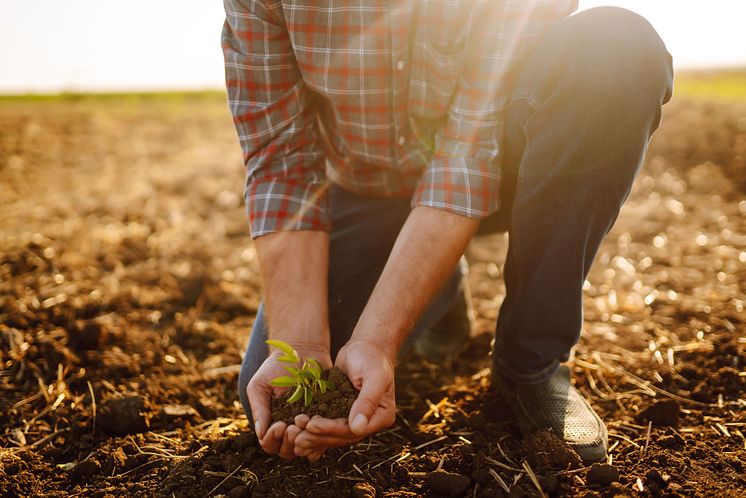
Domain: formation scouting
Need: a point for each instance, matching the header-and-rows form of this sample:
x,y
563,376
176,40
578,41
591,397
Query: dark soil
x,y
447,483
544,450
331,404
124,415
602,474
664,412
128,287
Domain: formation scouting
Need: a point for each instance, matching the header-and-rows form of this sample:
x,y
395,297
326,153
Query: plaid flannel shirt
x,y
382,97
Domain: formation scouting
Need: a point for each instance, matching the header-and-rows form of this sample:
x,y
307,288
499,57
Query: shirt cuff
x,y
462,186
281,204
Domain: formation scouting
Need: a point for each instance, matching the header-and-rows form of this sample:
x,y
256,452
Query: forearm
x,y
424,255
294,267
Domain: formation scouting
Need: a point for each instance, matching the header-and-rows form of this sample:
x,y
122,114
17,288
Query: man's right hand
x,y
278,438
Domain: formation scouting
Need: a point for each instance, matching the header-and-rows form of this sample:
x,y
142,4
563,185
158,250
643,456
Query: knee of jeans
x,y
619,51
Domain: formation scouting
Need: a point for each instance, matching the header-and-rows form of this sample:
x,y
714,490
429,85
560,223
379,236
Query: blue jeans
x,y
586,101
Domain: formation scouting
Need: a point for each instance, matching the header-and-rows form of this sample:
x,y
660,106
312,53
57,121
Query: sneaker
x,y
446,339
556,404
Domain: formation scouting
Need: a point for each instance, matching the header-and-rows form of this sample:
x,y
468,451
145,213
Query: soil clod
x,y
125,415
544,450
603,474
663,413
83,472
447,483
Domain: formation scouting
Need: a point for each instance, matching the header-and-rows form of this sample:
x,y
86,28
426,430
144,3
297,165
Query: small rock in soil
x,y
83,472
544,449
239,491
447,483
663,413
122,416
603,474
364,490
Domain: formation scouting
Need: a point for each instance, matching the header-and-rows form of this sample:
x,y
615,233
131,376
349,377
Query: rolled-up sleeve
x,y
464,174
274,116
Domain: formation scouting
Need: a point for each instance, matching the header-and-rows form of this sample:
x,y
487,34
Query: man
x,y
379,135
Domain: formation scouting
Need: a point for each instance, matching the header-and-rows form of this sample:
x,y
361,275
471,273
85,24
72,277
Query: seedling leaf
x,y
306,374
283,381
315,367
306,380
297,395
292,370
284,347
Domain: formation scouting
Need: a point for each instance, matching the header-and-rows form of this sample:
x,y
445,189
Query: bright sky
x,y
78,45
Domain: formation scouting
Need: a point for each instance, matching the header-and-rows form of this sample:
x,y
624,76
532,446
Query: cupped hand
x,y
371,371
278,437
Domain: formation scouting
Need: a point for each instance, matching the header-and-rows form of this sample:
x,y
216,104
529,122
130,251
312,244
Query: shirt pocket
x,y
438,56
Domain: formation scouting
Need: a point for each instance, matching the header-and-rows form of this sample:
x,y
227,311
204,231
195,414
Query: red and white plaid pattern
x,y
382,97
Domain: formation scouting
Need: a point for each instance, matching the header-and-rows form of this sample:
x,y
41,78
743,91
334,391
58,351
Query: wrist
x,y
302,336
305,344
387,347
316,348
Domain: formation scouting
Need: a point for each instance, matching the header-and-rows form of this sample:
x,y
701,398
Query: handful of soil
x,y
332,404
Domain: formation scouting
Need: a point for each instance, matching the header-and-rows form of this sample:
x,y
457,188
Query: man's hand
x,y
371,370
277,438
294,266
425,253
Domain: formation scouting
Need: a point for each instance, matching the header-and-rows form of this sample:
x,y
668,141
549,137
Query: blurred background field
x,y
728,84
128,285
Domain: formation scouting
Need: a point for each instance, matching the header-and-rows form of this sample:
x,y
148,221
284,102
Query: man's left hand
x,y
371,371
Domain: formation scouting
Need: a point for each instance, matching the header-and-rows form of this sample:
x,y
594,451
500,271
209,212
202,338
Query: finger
x,y
288,442
301,420
368,400
313,442
272,440
315,457
259,399
303,452
329,426
383,417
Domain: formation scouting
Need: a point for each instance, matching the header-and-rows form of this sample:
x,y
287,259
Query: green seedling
x,y
306,380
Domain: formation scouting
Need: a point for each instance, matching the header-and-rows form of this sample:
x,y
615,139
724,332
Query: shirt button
x,y
400,65
402,140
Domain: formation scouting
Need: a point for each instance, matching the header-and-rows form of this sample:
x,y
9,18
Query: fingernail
x,y
259,429
359,423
